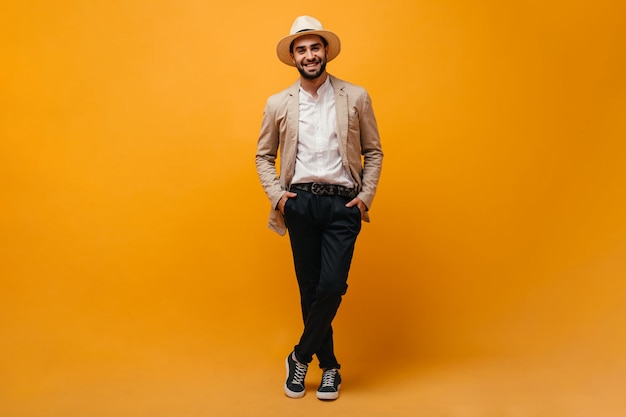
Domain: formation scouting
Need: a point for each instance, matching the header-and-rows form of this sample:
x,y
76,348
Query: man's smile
x,y
311,64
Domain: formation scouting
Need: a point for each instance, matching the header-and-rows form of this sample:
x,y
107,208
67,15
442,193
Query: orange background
x,y
138,277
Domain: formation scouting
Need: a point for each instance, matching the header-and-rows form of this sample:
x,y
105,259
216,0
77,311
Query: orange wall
x,y
133,223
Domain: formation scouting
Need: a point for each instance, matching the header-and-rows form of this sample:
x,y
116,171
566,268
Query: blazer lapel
x,y
341,109
293,113
290,146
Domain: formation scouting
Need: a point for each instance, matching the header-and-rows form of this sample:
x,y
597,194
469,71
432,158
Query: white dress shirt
x,y
318,158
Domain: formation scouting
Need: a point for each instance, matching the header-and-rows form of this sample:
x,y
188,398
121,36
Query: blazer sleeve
x,y
266,154
371,150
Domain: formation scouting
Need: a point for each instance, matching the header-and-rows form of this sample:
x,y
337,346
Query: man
x,y
330,163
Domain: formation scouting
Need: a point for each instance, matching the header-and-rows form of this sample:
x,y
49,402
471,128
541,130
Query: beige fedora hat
x,y
307,25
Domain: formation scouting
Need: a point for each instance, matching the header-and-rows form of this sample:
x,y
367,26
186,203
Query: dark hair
x,y
324,41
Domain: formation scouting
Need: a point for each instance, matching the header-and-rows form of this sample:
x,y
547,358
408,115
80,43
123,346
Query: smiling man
x,y
330,163
309,53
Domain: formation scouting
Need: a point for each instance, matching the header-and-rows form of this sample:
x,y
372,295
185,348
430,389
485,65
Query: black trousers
x,y
323,232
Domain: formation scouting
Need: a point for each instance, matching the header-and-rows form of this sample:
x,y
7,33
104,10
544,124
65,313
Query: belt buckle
x,y
321,189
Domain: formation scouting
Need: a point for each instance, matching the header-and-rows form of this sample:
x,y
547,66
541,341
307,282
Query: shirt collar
x,y
322,89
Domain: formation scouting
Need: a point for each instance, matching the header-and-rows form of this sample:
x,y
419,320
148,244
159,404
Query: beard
x,y
312,76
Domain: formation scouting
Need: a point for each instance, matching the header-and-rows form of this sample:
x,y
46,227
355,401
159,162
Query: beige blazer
x,y
357,131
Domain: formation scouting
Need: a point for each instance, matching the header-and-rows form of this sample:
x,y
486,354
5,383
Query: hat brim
x,y
334,45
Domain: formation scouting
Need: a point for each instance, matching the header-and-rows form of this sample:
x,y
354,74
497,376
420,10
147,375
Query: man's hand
x,y
283,200
356,201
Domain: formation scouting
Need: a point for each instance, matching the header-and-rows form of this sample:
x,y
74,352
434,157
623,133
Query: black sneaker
x,y
329,388
296,371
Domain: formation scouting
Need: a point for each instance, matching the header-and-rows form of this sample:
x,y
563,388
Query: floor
x,y
155,382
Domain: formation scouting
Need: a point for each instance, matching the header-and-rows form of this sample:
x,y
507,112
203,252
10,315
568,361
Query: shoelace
x,y
299,374
328,378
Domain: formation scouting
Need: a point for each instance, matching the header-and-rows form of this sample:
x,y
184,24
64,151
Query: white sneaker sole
x,y
328,395
292,394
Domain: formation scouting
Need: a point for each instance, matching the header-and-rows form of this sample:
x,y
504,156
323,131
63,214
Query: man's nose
x,y
309,54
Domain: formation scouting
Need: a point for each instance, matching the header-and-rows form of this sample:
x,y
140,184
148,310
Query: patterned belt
x,y
319,188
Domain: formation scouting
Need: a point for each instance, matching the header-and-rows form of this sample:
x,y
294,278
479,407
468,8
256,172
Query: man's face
x,y
309,56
